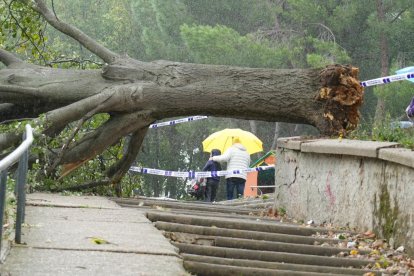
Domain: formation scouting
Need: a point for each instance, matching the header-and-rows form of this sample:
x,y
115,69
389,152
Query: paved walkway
x,y
81,235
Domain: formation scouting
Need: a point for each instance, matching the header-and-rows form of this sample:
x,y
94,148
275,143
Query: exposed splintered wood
x,y
342,95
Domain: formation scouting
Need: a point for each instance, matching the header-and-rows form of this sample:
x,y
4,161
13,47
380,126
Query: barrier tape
x,y
179,121
388,79
192,174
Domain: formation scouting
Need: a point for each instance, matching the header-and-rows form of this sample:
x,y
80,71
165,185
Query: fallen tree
x,y
134,94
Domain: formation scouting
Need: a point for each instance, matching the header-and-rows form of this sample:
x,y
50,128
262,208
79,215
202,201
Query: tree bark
x,y
167,89
276,136
383,45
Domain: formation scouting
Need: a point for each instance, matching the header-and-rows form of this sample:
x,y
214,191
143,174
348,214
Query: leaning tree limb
x,y
117,171
89,185
7,58
89,43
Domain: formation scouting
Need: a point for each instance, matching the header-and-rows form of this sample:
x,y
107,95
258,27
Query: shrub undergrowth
x,y
385,131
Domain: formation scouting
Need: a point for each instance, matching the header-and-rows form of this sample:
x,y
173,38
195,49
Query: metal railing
x,y
21,155
262,187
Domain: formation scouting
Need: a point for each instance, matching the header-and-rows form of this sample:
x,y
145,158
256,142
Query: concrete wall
x,y
361,184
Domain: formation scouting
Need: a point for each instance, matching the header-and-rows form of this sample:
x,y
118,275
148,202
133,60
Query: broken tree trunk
x,y
327,99
136,94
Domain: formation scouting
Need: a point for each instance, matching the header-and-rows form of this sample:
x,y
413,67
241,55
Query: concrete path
x,y
82,235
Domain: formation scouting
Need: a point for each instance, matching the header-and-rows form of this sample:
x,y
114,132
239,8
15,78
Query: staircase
x,y
239,238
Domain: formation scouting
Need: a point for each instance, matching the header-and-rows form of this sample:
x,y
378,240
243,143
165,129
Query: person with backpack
x,y
212,182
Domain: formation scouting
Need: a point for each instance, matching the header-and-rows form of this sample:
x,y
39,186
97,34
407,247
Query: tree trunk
x,y
383,43
136,94
166,89
276,136
156,164
253,126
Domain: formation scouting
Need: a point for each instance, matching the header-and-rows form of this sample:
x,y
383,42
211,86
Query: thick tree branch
x,y
89,43
84,186
58,118
29,38
69,140
12,113
103,137
9,139
398,15
7,58
119,169
22,91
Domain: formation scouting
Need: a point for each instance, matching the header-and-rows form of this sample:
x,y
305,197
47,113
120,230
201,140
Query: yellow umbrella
x,y
223,139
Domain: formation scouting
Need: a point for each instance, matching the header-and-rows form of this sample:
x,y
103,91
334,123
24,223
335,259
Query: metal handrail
x,y
22,152
260,187
10,159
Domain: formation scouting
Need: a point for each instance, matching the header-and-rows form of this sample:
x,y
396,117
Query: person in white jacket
x,y
237,159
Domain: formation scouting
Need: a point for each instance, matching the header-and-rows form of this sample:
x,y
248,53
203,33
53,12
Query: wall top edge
x,y
373,149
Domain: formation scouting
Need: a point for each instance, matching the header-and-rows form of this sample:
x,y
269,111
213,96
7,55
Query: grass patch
x,y
385,131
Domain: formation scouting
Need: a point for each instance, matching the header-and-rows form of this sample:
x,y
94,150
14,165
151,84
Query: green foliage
x,y
9,207
396,96
385,131
93,170
22,30
325,53
113,32
243,16
175,148
157,33
223,45
281,211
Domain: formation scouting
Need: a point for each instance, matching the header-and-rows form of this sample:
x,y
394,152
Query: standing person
x,y
212,182
237,158
410,110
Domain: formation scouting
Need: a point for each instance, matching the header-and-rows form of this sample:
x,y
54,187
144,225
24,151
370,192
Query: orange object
x,y
270,160
250,181
250,188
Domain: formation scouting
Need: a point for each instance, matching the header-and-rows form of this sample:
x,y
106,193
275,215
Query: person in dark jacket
x,y
410,110
212,182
